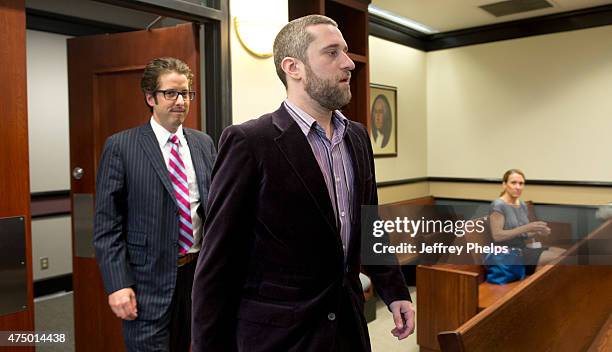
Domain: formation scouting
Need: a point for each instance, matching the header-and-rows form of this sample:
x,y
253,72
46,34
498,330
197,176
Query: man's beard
x,y
327,92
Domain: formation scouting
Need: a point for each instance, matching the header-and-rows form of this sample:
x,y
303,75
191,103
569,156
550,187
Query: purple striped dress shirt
x,y
334,161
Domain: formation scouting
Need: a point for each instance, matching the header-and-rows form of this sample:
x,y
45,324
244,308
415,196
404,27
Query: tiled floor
x,y
55,314
380,331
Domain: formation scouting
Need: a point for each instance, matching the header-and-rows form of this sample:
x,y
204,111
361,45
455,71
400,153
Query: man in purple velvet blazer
x,y
280,263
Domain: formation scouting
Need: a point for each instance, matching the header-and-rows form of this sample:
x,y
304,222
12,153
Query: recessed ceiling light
x,y
403,21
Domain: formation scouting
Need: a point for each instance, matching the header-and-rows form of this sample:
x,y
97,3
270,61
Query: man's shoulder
x,y
199,135
261,126
358,128
129,134
262,122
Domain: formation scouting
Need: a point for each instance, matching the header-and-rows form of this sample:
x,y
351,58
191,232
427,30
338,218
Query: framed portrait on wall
x,y
383,120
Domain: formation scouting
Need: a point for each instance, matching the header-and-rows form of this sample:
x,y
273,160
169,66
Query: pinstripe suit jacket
x,y
136,218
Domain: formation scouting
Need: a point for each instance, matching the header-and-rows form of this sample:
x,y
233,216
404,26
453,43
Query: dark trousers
x,y
180,309
171,333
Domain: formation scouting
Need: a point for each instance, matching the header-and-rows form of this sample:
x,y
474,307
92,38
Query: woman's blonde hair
x,y
507,175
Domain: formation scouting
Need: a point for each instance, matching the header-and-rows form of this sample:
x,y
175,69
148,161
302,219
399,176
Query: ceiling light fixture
x,y
403,21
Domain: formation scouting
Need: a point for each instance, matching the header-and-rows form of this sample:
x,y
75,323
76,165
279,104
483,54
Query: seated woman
x,y
510,227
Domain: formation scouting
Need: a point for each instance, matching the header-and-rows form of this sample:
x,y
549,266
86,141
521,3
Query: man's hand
x,y
123,303
403,315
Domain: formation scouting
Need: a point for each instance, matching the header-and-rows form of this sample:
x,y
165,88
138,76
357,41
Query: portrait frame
x,y
382,121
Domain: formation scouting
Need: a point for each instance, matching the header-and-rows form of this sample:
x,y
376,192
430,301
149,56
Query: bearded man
x,y
280,263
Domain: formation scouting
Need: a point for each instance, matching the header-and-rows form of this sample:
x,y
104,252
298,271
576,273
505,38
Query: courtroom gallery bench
x,y
406,208
562,307
410,207
451,294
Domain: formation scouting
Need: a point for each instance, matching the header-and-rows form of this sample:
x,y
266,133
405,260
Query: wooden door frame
x,y
14,165
215,69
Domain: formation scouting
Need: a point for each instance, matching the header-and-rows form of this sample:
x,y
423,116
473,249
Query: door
x,y
16,304
104,91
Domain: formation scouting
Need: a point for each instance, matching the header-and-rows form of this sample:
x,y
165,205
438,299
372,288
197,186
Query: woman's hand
x,y
538,228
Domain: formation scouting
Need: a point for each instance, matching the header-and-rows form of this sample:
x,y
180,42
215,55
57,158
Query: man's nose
x,y
348,64
180,100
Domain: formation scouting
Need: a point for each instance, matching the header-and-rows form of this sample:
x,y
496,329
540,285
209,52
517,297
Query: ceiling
x,y
449,15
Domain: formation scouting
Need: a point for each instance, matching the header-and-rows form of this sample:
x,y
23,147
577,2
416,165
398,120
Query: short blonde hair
x,y
293,40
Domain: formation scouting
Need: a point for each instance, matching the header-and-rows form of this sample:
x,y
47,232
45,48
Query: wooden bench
x,y
603,340
412,209
452,293
562,307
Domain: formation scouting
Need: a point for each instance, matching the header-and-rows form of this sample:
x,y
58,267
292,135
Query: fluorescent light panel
x,y
403,21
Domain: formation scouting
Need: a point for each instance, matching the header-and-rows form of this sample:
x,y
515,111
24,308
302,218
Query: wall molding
x,y
52,285
406,181
555,23
493,181
51,203
488,201
385,29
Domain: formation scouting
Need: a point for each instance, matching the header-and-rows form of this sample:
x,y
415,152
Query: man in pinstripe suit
x,y
151,190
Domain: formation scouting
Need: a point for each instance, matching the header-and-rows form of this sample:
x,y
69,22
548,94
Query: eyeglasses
x,y
171,94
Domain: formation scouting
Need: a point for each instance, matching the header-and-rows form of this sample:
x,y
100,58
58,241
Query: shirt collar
x,y
163,135
340,123
306,122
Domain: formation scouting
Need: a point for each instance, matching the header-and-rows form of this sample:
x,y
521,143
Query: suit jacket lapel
x,y
151,148
356,150
297,151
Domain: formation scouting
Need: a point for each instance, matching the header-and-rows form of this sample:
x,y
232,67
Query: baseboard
x,y
52,285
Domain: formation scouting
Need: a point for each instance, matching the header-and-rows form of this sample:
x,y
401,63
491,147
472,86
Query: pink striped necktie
x,y
178,175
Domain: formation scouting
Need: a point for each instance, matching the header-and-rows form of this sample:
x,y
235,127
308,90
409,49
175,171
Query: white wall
x,y
399,66
49,146
256,89
47,82
51,238
540,103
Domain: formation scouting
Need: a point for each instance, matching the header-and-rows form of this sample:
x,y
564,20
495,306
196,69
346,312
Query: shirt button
x,y
331,316
337,179
342,214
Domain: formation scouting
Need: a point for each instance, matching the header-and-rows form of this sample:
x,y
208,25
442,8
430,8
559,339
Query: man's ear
x,y
293,68
151,100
